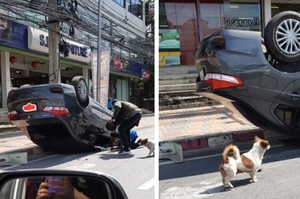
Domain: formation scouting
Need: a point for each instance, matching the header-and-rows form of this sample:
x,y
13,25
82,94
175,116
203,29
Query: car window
x,y
289,115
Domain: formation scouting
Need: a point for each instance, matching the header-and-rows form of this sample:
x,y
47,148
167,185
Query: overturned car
x,y
59,117
257,78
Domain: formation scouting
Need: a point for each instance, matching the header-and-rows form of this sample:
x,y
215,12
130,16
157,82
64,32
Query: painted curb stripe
x,y
218,139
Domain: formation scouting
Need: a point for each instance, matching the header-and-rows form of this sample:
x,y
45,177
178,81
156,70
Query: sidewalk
x,y
17,142
204,127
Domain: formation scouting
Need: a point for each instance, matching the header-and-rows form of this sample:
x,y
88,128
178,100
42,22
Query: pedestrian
x,y
127,116
132,144
110,102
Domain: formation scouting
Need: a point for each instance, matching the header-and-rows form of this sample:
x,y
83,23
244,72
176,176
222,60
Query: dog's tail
x,y
231,148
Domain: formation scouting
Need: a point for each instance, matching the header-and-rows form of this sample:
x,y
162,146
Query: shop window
x,y
218,15
135,7
120,2
280,7
178,32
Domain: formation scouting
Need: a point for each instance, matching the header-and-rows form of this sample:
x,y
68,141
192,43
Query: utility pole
x,y
54,38
99,53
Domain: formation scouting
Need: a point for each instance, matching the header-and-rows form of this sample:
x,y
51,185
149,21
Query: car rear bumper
x,y
56,134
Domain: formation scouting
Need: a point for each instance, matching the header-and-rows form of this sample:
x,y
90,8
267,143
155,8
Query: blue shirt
x,y
109,103
133,134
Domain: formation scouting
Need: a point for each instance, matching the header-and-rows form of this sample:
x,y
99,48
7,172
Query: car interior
x,y
27,188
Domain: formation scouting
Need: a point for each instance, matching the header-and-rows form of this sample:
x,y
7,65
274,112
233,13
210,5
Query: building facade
x,y
184,23
24,48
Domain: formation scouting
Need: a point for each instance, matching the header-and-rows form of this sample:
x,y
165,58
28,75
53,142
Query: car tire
x,y
81,90
284,24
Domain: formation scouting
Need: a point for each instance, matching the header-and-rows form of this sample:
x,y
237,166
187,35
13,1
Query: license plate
x,y
29,107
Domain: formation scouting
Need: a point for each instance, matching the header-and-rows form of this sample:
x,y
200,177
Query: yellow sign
x,y
170,53
162,61
163,55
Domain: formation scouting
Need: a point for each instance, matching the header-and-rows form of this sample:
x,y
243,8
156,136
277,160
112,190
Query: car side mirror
x,y
35,184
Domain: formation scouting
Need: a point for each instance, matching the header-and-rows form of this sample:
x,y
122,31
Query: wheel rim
x,y
287,36
82,89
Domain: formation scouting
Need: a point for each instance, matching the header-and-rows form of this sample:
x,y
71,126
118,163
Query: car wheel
x,y
281,36
81,89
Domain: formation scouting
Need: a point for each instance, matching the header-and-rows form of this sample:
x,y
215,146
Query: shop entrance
x,y
34,71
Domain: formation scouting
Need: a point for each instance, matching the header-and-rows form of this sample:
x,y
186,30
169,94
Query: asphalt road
x,y
199,177
135,172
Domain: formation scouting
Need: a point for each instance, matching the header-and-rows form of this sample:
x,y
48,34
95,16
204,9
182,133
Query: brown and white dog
x,y
248,162
148,144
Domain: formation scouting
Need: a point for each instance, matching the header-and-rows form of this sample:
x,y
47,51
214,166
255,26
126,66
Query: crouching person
x,y
127,115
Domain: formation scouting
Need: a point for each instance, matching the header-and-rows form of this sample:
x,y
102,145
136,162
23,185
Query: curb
x,y
217,139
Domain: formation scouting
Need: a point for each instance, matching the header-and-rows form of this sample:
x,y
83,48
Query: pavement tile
x,y
201,121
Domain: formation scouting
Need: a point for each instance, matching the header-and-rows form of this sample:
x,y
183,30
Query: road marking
x,y
83,166
208,156
148,184
192,191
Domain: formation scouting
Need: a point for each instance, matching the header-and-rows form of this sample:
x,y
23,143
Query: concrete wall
x,y
117,14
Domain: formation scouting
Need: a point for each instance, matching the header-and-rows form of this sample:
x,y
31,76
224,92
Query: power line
x,y
83,18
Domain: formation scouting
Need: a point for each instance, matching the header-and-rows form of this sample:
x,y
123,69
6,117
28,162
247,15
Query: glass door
x,y
230,14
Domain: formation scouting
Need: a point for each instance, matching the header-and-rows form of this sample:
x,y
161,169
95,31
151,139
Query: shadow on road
x,y
108,156
219,189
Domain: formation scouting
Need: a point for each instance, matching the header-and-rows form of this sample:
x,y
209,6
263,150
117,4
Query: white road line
x,y
82,166
208,156
148,184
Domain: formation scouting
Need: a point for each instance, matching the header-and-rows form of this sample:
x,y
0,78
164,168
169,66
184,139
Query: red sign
x,y
117,62
121,64
151,8
29,107
145,74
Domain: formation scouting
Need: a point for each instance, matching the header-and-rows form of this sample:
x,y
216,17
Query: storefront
x,y
122,70
24,60
183,24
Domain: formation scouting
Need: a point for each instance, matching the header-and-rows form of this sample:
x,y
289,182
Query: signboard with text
x,y
103,84
38,41
169,47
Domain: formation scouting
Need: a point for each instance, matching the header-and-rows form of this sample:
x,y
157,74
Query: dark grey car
x,y
254,77
60,117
